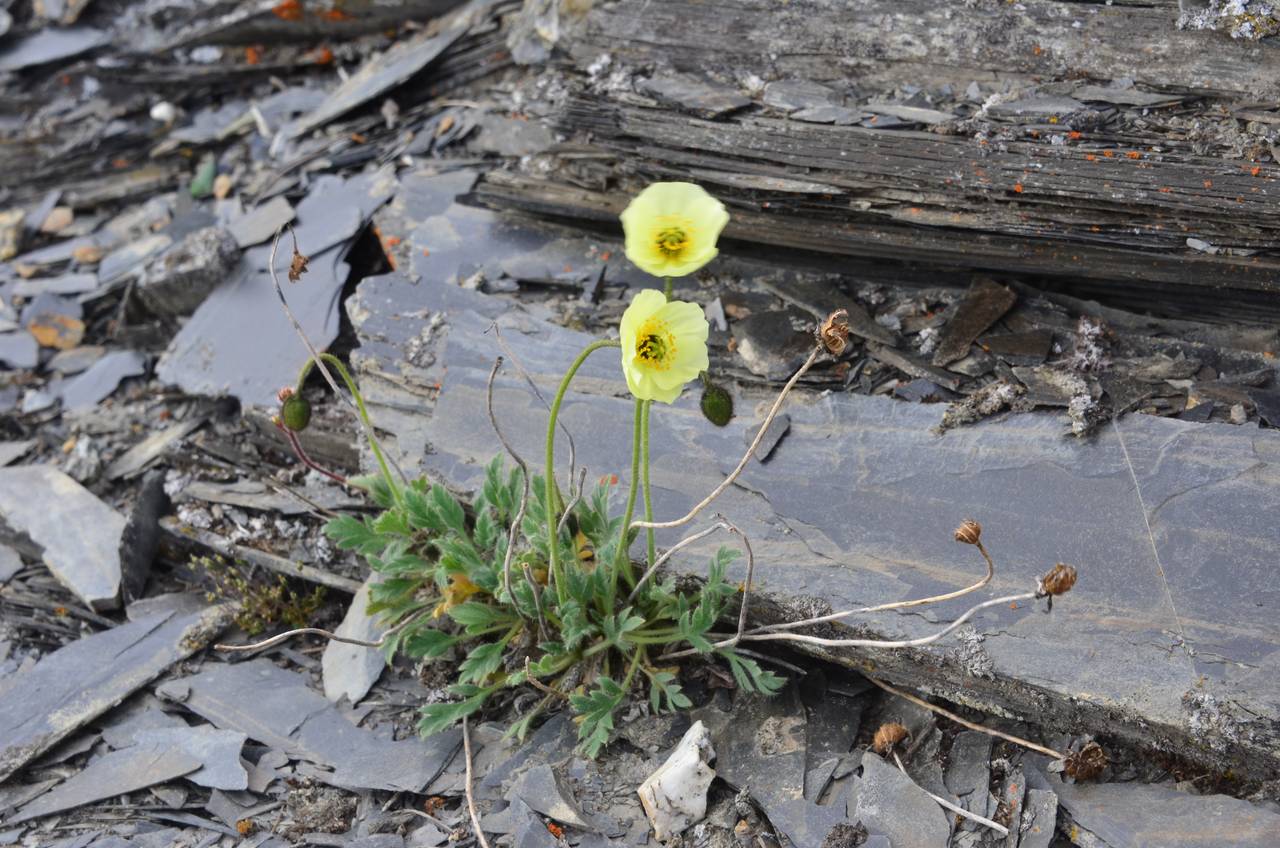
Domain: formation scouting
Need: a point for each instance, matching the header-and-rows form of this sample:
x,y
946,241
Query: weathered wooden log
x,y
1066,171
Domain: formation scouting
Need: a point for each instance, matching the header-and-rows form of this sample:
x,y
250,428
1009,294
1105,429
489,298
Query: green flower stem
x,y
648,494
666,287
623,559
552,498
337,365
631,671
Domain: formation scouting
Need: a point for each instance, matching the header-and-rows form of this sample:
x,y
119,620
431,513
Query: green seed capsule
x,y
717,403
296,413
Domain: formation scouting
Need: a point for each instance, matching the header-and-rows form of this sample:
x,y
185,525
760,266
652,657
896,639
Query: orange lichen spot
x,y
245,827
1089,157
1269,354
358,138
426,251
1074,135
1208,183
252,55
119,163
391,241
1108,153
1133,154
288,10
1255,170
555,830
1095,229
322,56
1165,189
60,611
1013,606
1053,119
1017,187
604,257
1036,49
914,210
335,15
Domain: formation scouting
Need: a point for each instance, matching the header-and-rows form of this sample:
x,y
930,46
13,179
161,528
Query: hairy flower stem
x,y
666,287
648,495
335,363
622,563
551,495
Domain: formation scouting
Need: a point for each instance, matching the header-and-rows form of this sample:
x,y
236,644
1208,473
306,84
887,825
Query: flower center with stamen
x,y
672,240
655,345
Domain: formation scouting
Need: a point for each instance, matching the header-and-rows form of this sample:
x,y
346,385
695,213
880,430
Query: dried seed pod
x,y
887,736
969,532
1059,580
834,332
1087,763
296,413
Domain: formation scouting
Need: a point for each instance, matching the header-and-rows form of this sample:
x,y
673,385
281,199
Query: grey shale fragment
x,y
46,504
80,682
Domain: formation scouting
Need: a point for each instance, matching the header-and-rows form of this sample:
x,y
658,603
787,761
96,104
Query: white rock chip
x,y
675,796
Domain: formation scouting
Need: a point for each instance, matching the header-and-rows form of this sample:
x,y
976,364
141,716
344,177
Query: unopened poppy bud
x,y
887,736
1059,580
285,393
834,332
296,412
717,403
969,532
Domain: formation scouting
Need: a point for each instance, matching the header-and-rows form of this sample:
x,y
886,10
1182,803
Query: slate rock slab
x,y
1137,815
240,341
79,533
85,390
351,670
278,709
113,774
218,752
83,680
1168,522
888,803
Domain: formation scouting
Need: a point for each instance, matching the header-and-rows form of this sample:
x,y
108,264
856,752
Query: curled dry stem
x,y
471,796
355,403
316,631
792,625
725,524
755,443
921,702
575,495
533,387
539,685
888,643
514,530
960,811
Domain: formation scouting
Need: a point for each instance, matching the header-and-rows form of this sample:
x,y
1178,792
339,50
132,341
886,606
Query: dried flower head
x,y
297,265
1087,763
834,332
285,393
887,736
1059,580
671,228
969,532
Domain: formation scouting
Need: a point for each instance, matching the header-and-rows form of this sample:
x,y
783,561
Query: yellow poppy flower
x,y
664,345
672,228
